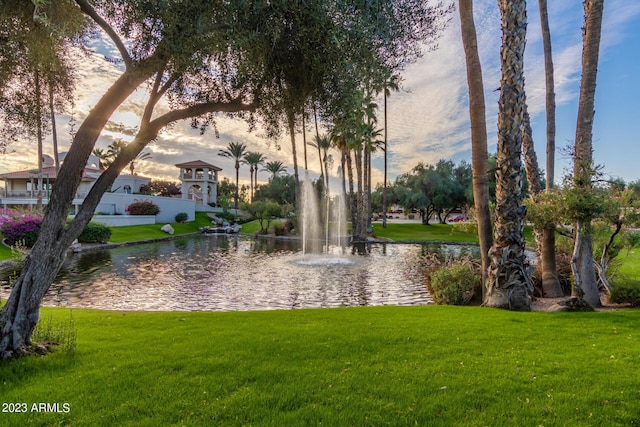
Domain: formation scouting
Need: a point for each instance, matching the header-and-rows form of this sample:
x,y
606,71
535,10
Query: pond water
x,y
222,273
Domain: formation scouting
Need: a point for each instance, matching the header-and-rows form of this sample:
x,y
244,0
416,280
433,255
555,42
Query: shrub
x,y
627,292
288,226
24,230
143,207
278,229
454,284
95,233
182,217
227,216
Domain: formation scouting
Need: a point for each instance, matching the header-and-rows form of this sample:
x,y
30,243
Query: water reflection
x,y
221,273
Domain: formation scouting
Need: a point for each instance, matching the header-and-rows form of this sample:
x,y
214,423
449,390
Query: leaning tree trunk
x,y
21,311
586,285
508,282
479,154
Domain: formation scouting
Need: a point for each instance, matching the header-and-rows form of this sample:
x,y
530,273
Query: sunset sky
x,y
429,118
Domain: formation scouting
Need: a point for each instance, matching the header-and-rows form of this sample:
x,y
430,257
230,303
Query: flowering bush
x,y
143,207
19,226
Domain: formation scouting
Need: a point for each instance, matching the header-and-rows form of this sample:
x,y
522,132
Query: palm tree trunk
x,y
304,142
508,279
550,283
352,195
583,266
54,132
479,154
384,187
292,133
235,205
546,253
251,182
322,166
38,88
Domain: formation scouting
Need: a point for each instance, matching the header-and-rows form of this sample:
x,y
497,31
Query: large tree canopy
x,y
35,65
206,58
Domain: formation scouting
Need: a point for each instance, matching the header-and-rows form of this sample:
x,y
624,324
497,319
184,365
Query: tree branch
x,y
153,98
91,12
234,106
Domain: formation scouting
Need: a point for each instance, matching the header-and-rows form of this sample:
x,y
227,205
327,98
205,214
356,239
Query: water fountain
x,y
322,234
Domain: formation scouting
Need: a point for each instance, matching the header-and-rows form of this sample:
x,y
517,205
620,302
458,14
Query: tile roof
x,y
198,164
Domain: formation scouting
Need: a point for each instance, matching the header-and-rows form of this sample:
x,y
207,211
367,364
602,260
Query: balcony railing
x,y
31,194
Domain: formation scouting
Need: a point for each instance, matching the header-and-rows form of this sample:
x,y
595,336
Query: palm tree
x,y
550,283
143,155
254,159
113,150
275,167
508,276
586,285
479,154
236,151
322,144
391,84
102,157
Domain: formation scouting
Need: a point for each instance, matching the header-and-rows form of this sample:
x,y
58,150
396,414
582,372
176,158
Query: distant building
x,y
199,181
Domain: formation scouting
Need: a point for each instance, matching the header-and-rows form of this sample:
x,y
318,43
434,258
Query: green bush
x,y
95,233
182,217
143,207
627,292
454,284
278,229
227,216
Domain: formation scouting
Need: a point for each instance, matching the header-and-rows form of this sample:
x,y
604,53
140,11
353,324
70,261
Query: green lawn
x,y
420,232
428,366
152,231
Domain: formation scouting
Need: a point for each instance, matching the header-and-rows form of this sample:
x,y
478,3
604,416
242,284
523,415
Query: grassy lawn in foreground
x,y
435,366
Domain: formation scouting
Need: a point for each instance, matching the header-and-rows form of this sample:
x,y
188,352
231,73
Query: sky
x,y
428,119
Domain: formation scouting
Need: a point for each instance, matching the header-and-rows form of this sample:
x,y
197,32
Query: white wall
x,y
116,203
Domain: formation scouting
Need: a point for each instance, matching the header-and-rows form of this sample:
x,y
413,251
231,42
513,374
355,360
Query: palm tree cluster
x,y
113,150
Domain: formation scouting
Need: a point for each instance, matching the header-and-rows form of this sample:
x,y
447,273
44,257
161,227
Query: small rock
x,y
167,228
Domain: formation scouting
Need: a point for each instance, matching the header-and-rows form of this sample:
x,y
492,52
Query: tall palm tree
x,y
585,279
253,159
550,283
275,167
236,151
479,154
508,279
391,84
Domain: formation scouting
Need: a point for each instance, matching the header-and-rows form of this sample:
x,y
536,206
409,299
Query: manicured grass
x,y
435,366
152,231
5,252
420,232
630,263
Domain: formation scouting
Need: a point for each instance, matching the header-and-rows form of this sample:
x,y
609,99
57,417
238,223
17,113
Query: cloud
x,y
428,120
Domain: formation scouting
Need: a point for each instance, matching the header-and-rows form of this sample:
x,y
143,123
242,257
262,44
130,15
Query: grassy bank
x,y
418,232
436,366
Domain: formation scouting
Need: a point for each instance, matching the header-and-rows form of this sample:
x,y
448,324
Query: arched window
x,y
127,189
